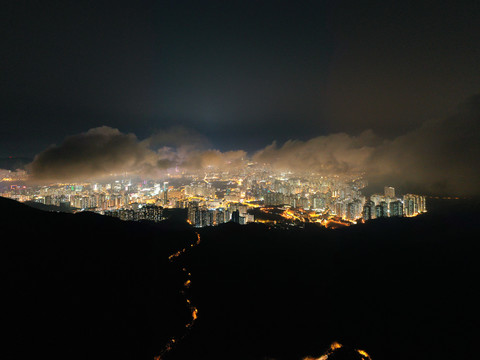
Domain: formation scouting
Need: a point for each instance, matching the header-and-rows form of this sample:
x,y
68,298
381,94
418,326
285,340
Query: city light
x,y
253,193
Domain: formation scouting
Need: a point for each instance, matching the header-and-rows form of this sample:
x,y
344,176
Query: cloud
x,y
214,158
104,151
191,150
96,153
439,157
333,154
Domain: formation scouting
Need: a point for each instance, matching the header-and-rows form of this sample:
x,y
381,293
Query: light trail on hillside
x,y
334,347
193,310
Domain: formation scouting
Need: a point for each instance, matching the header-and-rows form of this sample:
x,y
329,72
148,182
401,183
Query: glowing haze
x,y
439,157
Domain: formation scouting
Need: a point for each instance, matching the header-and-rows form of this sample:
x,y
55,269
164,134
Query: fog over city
x,y
425,159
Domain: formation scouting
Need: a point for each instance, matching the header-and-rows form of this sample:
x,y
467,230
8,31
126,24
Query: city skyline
x,y
391,89
241,195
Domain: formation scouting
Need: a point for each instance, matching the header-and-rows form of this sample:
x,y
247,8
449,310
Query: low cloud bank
x,y
440,157
96,153
332,154
104,151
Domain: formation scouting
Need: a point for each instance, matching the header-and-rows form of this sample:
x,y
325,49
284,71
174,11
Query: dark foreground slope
x,y
86,286
398,289
91,287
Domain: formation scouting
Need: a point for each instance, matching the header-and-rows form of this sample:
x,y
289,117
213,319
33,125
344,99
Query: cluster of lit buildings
x,y
388,205
214,198
200,216
137,213
9,175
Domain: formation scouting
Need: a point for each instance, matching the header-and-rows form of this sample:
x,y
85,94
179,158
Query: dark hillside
x,y
87,286
398,288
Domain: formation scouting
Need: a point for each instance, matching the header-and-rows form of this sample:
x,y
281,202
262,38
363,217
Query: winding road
x,y
194,311
334,347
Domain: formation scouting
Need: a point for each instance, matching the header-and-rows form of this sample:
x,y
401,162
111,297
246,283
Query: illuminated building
x,y
236,217
220,217
389,192
49,200
149,212
125,214
228,215
249,218
274,198
422,204
193,213
396,208
377,198
319,202
144,212
206,217
414,204
302,203
242,209
165,193
217,195
340,209
369,210
381,210
354,209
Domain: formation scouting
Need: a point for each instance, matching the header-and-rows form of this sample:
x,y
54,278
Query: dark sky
x,y
241,73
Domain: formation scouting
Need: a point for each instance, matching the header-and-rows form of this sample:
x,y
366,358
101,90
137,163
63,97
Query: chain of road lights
x,y
335,346
193,309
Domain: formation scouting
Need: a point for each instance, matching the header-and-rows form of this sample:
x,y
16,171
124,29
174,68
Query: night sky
x,y
239,75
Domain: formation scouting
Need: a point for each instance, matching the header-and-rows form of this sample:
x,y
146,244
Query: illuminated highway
x,y
193,310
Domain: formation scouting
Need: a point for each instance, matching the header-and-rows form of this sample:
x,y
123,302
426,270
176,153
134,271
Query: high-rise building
x,y
340,209
274,198
389,192
319,202
150,212
220,216
302,202
165,193
409,205
422,204
381,210
236,216
206,217
369,210
354,209
396,208
414,204
193,213
377,198
384,206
